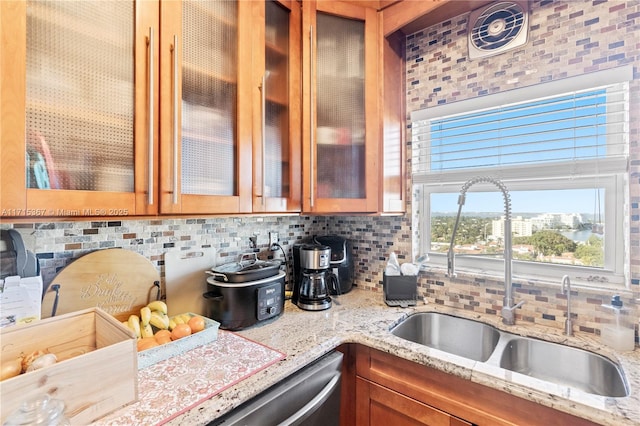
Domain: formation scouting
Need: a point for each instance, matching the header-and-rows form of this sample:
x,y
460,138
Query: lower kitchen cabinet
x,y
378,405
393,391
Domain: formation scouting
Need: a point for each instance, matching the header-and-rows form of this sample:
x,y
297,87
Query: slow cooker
x,y
239,305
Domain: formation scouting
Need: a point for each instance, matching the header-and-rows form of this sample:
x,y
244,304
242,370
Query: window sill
x,y
591,280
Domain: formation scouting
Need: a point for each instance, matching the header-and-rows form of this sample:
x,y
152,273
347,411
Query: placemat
x,y
178,384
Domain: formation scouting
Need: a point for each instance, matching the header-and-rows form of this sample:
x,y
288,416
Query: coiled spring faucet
x,y
508,316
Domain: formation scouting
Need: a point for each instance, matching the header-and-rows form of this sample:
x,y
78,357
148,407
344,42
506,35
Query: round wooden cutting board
x,y
116,280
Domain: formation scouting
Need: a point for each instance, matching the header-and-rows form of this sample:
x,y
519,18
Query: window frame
x,y
612,274
609,173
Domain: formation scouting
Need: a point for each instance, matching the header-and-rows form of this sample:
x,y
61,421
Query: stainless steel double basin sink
x,y
551,362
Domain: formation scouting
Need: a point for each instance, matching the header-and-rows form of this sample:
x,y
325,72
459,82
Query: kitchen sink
x,y
551,362
459,336
564,365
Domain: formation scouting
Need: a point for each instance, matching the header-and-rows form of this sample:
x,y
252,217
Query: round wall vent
x,y
497,28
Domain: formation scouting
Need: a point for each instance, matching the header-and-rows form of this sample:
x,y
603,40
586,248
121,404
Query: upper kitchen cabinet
x,y
276,90
340,108
394,150
230,115
206,107
78,96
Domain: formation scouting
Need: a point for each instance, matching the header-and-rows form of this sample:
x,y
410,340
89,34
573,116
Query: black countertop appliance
x,y
341,263
237,305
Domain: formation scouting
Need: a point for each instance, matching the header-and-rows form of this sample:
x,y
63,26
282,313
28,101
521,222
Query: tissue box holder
x,y
400,290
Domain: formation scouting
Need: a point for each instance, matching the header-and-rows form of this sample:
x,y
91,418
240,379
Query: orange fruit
x,y
196,323
146,343
180,331
162,336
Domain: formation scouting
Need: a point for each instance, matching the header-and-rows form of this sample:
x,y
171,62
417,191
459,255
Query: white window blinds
x,y
572,132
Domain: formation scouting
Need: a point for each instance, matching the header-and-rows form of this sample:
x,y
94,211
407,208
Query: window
x,y
561,150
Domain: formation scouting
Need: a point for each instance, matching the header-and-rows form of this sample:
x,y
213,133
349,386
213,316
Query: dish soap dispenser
x,y
619,335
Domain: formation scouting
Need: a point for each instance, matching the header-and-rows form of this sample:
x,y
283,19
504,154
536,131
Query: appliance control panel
x,y
270,301
325,261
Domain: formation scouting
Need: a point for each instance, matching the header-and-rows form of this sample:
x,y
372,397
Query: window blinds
x,y
573,133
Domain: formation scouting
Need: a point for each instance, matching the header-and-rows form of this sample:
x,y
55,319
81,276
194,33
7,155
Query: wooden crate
x,y
97,368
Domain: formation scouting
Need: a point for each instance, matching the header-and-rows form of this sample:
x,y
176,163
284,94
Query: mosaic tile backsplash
x,y
566,38
56,244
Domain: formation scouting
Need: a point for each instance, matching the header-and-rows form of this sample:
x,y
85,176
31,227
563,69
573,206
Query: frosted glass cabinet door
x,y
340,106
209,94
203,49
276,103
74,72
276,95
80,86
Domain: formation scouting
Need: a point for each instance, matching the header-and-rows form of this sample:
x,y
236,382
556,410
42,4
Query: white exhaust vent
x,y
497,28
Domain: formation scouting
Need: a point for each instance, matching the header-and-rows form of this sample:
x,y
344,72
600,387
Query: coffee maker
x,y
313,278
342,264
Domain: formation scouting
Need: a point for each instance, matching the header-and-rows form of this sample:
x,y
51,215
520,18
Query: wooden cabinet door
x,y
379,406
77,94
394,148
341,125
276,96
205,142
455,395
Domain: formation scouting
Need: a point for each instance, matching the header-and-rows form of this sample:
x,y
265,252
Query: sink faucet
x,y
508,316
566,289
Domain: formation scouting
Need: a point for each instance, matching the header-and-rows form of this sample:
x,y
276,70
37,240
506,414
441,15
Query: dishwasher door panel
x,y
311,397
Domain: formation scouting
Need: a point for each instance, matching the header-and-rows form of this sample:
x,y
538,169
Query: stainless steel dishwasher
x,y
310,397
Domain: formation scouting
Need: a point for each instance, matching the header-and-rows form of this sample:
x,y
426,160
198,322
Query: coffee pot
x,y
313,287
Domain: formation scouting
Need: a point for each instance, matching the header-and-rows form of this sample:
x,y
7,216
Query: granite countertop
x,y
362,317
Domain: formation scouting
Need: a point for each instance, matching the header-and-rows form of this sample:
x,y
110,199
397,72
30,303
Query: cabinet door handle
x,y
311,120
151,113
263,90
175,119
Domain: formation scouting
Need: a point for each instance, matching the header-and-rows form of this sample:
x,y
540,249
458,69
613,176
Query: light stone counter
x,y
362,317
